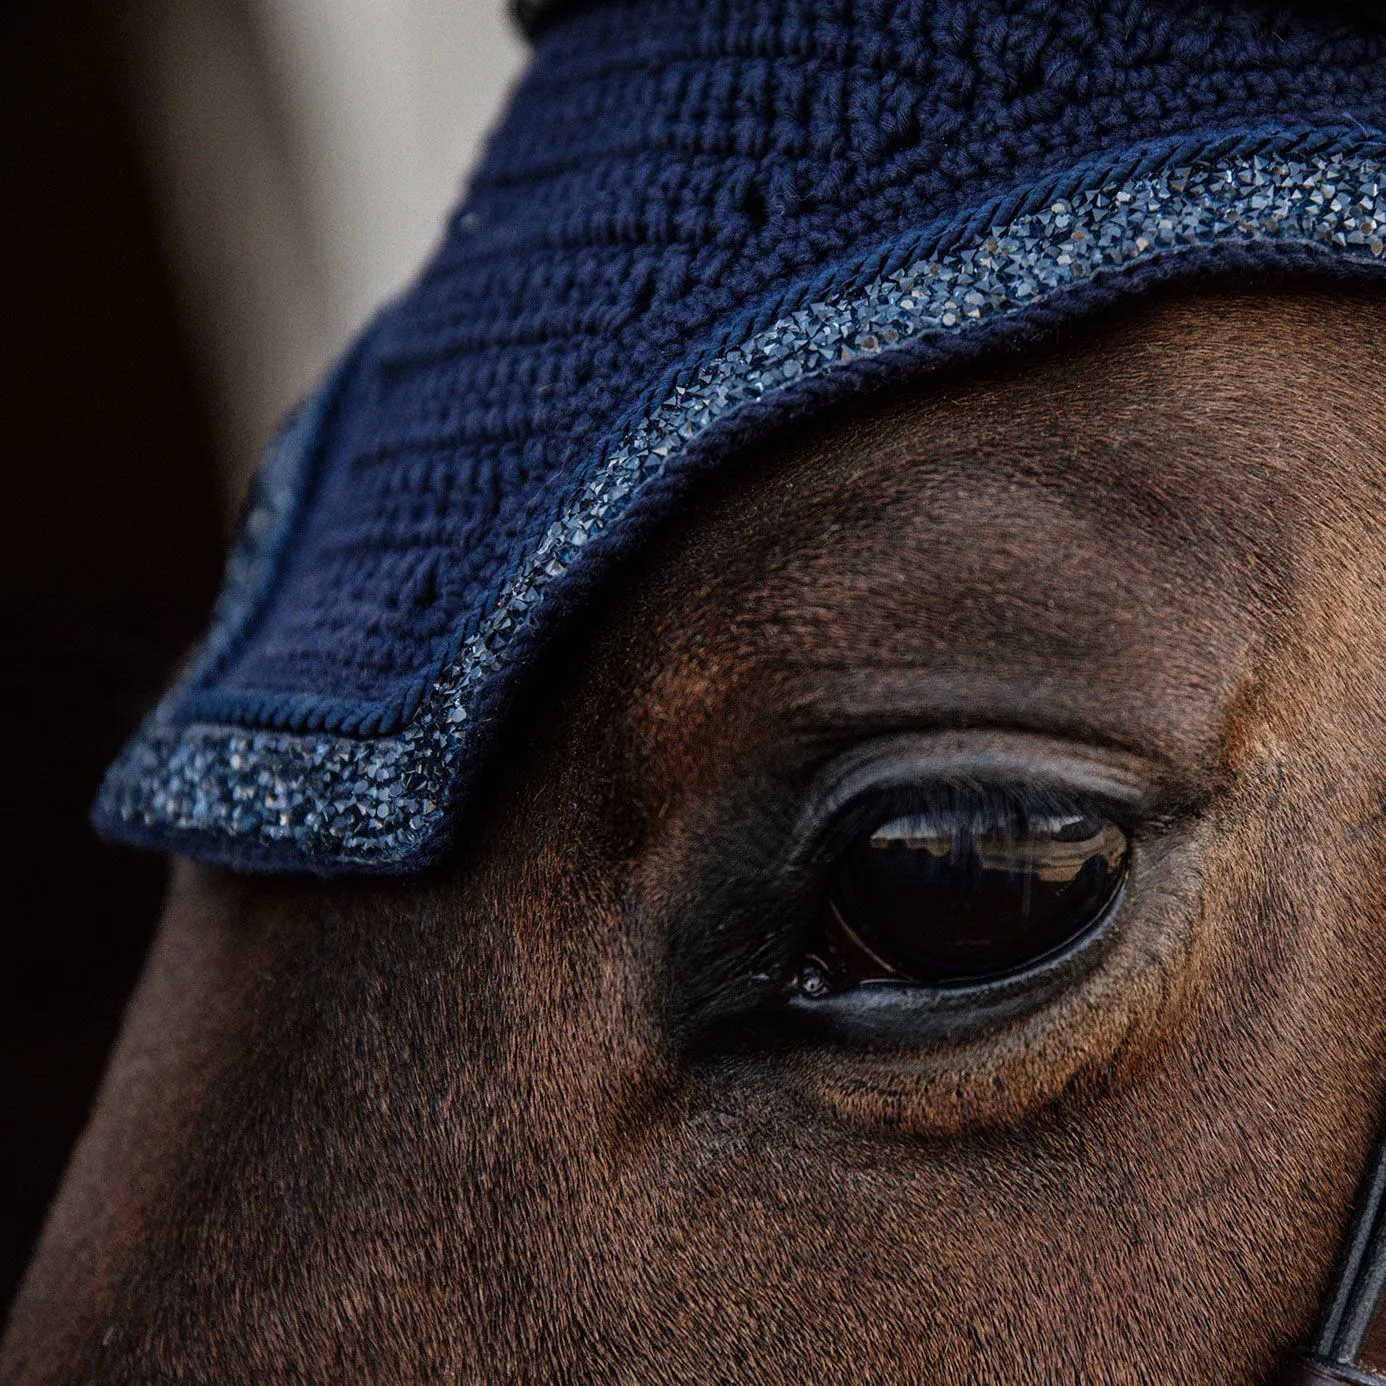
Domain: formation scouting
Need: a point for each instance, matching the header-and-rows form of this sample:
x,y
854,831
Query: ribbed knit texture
x,y
665,164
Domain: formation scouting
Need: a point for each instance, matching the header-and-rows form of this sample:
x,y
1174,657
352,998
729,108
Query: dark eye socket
x,y
964,884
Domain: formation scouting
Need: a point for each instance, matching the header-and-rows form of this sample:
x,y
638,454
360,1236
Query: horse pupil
x,y
937,899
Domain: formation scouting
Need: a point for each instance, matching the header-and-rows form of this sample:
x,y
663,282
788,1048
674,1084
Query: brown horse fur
x,y
522,1121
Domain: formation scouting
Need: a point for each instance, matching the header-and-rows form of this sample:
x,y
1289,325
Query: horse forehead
x,y
1185,453
1201,409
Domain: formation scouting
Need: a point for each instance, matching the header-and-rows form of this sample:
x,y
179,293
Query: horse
x,y
598,1099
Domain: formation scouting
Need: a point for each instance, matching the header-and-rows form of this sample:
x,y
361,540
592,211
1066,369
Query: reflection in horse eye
x,y
978,885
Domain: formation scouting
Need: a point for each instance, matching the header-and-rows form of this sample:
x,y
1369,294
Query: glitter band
x,y
327,802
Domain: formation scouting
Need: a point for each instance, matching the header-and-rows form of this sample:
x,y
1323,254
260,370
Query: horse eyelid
x,y
1133,793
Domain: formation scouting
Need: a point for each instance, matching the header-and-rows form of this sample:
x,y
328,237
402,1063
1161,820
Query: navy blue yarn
x,y
671,177
663,166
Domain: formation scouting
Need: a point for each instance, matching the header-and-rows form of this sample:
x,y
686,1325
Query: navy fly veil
x,y
698,219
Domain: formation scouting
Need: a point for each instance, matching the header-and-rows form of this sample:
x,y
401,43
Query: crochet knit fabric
x,y
698,218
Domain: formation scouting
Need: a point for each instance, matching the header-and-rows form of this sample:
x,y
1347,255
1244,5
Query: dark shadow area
x,y
110,550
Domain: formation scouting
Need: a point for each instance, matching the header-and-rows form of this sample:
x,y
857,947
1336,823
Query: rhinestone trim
x,y
327,801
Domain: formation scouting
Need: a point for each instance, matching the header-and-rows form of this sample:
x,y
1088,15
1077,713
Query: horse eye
x,y
962,893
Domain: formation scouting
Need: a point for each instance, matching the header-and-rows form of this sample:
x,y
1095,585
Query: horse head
x,y
917,917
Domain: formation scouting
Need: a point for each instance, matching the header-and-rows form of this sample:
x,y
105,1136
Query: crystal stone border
x,y
320,800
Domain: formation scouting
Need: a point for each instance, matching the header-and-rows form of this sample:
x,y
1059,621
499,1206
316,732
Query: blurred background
x,y
203,201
